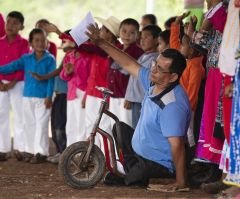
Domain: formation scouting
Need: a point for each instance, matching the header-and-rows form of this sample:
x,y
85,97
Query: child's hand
x,y
94,34
48,102
229,91
11,84
3,87
191,28
215,2
69,68
186,27
83,103
180,18
195,20
36,76
67,44
127,105
52,28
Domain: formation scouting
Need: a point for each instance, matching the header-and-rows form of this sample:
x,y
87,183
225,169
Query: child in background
x,y
117,77
163,40
168,24
51,47
98,76
194,72
135,92
13,46
37,96
148,19
76,71
2,26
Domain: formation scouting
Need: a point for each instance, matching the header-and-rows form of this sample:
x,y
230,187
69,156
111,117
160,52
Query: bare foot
x,y
234,190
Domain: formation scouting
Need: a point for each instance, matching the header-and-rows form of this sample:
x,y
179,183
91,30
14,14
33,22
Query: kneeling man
x,y
156,148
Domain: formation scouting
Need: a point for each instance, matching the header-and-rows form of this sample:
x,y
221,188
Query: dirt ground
x,y
25,180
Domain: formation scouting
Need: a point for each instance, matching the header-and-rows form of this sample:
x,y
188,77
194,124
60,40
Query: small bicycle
x,y
83,164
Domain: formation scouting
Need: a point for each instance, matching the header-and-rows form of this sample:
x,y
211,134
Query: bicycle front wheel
x,y
69,166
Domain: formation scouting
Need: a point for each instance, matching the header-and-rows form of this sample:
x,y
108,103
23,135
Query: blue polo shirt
x,y
28,62
162,116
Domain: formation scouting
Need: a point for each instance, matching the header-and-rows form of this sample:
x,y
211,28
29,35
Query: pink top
x,y
217,16
2,26
10,52
79,77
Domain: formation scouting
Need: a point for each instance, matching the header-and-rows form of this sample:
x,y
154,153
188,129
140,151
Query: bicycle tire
x,y
67,162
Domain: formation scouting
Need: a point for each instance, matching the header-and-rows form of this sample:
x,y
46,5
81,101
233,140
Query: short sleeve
x,y
143,75
174,121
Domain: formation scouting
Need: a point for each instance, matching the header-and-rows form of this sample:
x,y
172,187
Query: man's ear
x,y
174,77
22,27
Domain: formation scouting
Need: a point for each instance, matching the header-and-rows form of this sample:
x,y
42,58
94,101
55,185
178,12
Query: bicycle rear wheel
x,y
69,166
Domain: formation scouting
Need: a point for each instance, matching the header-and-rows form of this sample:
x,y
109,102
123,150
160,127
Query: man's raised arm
x,y
123,59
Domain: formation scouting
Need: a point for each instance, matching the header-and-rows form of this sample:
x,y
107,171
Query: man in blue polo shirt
x,y
156,147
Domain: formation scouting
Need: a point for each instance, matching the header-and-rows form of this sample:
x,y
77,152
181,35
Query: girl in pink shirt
x,y
76,70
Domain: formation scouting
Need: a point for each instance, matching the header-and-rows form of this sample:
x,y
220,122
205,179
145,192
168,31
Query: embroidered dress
x,y
212,147
233,176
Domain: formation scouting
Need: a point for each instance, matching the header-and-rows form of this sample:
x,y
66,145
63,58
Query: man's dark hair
x,y
130,21
178,64
169,22
151,17
111,32
35,31
18,15
67,32
154,29
43,21
165,35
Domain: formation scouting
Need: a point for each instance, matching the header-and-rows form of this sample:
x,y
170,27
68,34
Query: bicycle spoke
x,y
75,165
76,172
87,174
81,157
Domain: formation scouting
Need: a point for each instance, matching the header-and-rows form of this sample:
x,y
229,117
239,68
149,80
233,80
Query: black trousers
x,y
58,121
136,167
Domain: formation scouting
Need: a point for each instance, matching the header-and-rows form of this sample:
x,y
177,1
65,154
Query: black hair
x,y
43,21
115,38
130,21
178,64
165,35
151,17
35,31
154,29
18,15
169,22
67,32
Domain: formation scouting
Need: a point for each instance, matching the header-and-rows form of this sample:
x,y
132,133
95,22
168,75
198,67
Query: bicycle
x,y
83,164
82,158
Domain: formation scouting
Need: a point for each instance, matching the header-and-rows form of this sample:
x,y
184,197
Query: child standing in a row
x,y
37,96
13,46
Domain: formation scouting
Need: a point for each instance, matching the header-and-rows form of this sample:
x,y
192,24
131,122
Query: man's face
x,y
13,26
160,73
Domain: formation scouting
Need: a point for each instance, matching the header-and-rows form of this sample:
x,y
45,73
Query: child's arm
x,y
175,31
51,75
48,99
217,17
11,84
13,66
67,71
195,79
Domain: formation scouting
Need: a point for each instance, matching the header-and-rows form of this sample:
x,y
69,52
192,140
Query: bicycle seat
x,y
104,90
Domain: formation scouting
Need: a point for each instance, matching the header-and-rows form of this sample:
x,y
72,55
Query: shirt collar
x,y
164,92
151,52
18,37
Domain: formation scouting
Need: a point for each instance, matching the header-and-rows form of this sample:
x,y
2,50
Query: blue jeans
x,y
136,107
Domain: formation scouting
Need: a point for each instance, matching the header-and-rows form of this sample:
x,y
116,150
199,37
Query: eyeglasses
x,y
154,64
